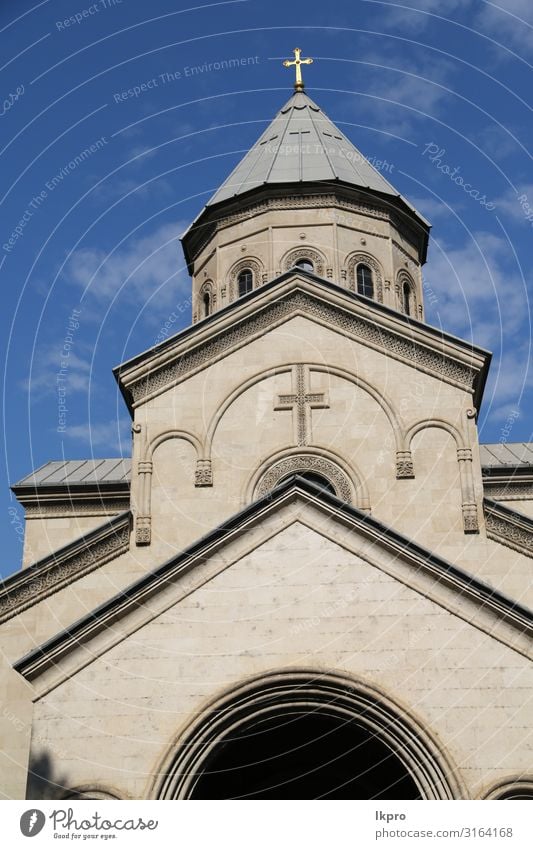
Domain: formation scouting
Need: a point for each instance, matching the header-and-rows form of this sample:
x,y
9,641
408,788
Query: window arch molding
x,y
405,287
349,485
247,263
312,254
360,258
302,464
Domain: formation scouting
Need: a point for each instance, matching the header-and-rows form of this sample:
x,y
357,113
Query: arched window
x,y
365,283
305,264
245,281
318,480
406,298
207,304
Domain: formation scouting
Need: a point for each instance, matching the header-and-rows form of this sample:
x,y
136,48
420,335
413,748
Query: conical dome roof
x,y
301,144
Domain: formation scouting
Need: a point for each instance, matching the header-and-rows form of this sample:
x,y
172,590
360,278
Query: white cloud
x,y
477,293
509,204
111,437
509,22
419,16
417,84
46,369
134,272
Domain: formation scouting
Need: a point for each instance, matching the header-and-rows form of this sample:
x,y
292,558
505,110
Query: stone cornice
x,y
508,527
80,499
507,484
44,577
302,293
450,586
294,196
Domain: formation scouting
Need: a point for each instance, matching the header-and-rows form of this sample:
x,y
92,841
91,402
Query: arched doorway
x,y
303,735
312,755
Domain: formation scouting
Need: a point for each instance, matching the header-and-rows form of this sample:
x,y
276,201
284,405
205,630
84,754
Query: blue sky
x,y
112,139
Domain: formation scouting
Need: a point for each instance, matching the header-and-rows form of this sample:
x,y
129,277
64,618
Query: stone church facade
x,y
310,580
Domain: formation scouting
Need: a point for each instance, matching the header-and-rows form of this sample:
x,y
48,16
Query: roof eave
x,y
220,318
211,212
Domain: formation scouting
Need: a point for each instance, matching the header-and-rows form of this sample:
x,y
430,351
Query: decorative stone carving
x,y
357,326
203,474
404,465
99,506
292,257
508,490
470,519
48,575
515,532
301,402
143,530
306,463
361,258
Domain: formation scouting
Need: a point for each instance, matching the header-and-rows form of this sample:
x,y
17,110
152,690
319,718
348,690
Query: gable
x,y
258,529
302,293
295,593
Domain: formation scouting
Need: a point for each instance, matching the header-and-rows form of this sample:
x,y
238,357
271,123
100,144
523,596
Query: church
x,y
311,580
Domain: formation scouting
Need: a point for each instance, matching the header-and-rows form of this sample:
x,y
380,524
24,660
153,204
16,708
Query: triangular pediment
x,y
330,521
302,293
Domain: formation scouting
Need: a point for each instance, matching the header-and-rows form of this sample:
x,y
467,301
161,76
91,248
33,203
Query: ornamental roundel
x,y
292,257
255,267
365,259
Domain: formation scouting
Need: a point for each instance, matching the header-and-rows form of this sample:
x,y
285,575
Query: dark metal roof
x,y
506,454
79,472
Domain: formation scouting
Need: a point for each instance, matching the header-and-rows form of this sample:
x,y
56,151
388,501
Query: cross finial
x,y
297,62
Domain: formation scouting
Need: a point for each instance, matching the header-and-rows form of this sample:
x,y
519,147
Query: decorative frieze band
x,y
90,507
301,202
50,574
508,491
508,528
345,320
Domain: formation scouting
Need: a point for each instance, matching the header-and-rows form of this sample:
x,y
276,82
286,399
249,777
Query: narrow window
x,y
305,265
245,281
365,284
406,298
207,304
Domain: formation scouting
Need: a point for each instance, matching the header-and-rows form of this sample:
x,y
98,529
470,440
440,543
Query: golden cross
x,y
299,84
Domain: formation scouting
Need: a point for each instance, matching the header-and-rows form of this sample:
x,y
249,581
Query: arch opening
x,y
305,264
302,734
318,480
294,754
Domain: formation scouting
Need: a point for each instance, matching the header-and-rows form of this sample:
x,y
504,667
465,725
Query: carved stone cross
x,y
301,403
